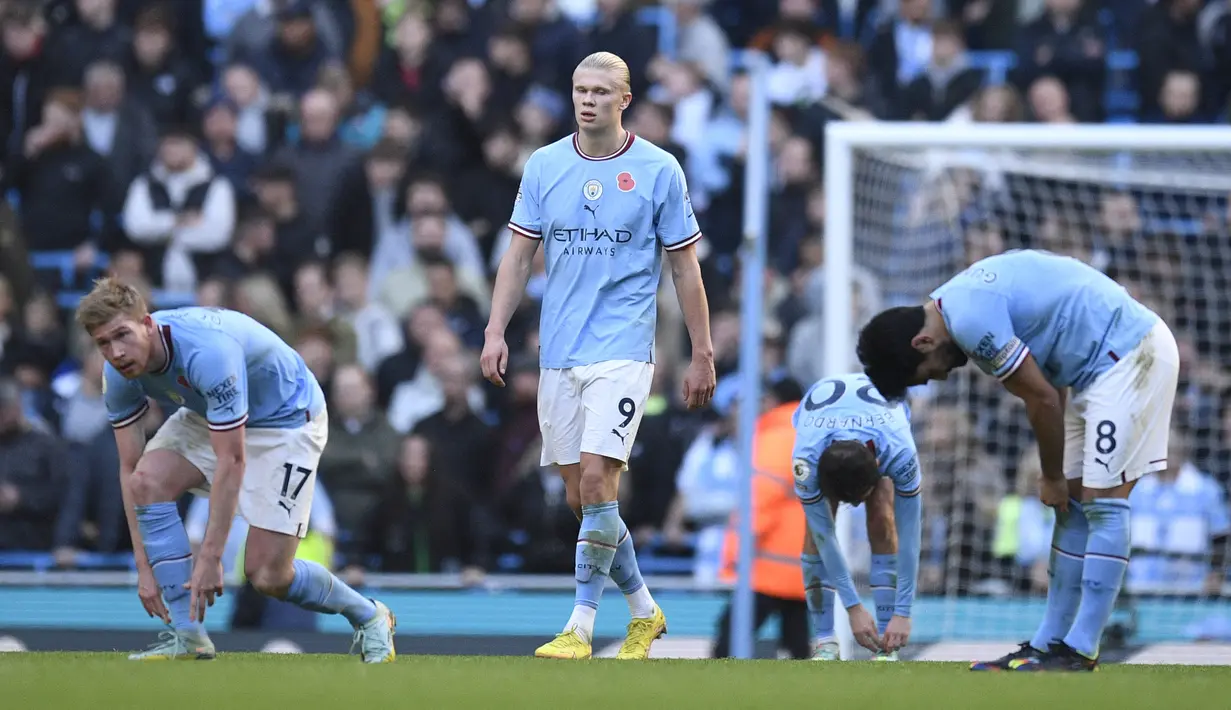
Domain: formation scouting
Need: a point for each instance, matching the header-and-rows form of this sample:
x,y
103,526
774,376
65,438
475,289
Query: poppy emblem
x,y
626,181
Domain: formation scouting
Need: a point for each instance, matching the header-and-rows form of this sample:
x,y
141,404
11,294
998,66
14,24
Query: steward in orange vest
x,y
778,526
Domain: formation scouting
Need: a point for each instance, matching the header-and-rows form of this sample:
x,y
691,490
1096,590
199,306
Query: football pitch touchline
x,y
101,681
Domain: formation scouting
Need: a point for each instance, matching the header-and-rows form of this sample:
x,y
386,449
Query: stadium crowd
x,y
342,170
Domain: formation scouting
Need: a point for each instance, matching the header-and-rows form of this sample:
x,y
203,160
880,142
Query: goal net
x,y
914,204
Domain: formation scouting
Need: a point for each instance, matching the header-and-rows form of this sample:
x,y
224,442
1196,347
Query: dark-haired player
x,y
1043,324
848,441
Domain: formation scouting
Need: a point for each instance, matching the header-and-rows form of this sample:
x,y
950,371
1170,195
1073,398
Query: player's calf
x,y
271,568
159,479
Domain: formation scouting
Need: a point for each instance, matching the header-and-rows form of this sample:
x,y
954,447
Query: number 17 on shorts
x,y
592,408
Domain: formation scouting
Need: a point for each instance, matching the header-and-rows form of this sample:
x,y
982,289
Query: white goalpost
x,y
912,204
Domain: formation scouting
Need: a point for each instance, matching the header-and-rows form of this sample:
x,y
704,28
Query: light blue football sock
x,y
883,578
170,555
624,569
1107,554
1064,569
317,589
820,597
597,543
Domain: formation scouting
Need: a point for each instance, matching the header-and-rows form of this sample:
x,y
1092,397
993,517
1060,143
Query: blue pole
x,y
752,260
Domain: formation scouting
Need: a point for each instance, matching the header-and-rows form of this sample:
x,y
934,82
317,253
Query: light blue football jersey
x,y
1075,320
603,223
847,408
224,366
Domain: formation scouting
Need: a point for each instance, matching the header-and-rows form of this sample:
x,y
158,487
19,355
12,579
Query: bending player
x,y
1044,323
250,429
605,204
851,446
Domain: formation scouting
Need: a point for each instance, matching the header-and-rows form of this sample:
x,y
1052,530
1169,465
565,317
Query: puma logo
x,y
284,505
617,433
592,209
1103,463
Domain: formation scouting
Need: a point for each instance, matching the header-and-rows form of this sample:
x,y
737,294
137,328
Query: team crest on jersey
x,y
175,397
593,190
801,468
626,182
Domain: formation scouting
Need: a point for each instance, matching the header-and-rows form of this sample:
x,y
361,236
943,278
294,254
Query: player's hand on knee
x,y
863,628
495,359
151,595
1054,493
897,633
699,383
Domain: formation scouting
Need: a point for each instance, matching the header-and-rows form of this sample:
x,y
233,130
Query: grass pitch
x,y
95,681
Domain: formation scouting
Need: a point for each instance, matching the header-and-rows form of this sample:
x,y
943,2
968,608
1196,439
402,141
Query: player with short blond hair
x,y
248,427
604,204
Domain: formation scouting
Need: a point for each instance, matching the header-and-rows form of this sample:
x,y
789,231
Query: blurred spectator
x,y
707,485
947,82
417,399
901,50
96,36
360,462
161,79
1179,99
288,46
1024,528
798,74
319,159
367,198
467,467
27,72
180,212
316,308
244,90
616,29
220,129
117,126
1049,101
361,119
295,240
32,481
252,247
377,333
62,182
701,41
425,524
555,41
1167,42
412,67
1181,525
511,67
1066,44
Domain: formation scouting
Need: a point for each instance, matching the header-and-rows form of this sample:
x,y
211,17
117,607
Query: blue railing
x,y
653,557
64,265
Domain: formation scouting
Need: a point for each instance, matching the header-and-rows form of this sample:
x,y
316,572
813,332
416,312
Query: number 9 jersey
x,y
846,408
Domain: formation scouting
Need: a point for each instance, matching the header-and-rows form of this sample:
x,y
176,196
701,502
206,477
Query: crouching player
x,y
851,446
1097,372
249,431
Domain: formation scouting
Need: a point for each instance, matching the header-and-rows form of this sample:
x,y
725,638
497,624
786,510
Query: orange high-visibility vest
x,y
778,522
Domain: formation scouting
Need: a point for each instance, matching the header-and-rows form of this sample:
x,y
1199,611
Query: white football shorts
x,y
280,476
592,408
1117,429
